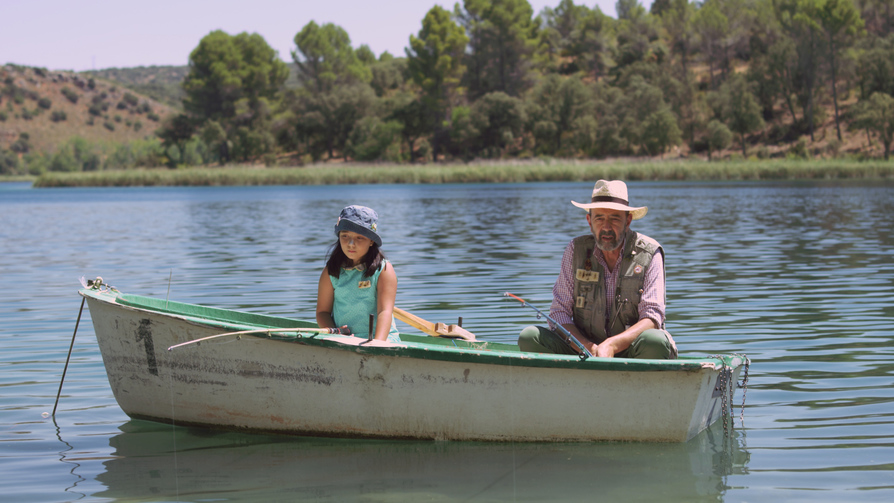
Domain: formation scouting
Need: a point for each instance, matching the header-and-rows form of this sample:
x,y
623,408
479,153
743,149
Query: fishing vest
x,y
589,286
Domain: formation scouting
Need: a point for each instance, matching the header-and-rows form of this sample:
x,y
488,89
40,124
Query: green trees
x,y
875,67
77,154
502,40
371,139
235,82
877,114
499,120
718,136
176,132
435,64
556,108
335,94
840,24
798,20
736,106
571,40
226,71
638,39
677,18
9,163
712,25
325,58
490,79
328,118
646,123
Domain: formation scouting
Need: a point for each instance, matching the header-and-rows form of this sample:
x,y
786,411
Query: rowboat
x,y
188,364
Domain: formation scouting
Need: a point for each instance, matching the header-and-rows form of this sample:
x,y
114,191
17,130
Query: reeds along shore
x,y
492,172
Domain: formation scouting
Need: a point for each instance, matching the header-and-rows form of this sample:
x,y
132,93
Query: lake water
x,y
798,276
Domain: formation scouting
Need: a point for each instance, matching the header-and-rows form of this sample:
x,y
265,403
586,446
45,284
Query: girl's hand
x,y
385,295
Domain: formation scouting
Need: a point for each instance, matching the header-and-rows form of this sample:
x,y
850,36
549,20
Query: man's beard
x,y
609,245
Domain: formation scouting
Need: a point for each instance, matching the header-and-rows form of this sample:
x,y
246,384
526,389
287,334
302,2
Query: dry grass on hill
x,y
31,85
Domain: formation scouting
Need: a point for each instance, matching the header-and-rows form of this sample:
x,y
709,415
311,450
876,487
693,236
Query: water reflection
x,y
64,456
167,462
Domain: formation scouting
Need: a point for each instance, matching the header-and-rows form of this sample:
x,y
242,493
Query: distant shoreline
x,y
479,172
17,178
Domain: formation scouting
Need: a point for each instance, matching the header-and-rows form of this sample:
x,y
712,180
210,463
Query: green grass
x,y
481,172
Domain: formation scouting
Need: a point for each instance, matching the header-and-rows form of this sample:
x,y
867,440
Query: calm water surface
x,y
800,277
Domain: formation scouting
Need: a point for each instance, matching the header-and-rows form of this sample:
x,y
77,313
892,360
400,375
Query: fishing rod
x,y
239,334
582,352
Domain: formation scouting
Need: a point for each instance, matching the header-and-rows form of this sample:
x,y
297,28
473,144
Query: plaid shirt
x,y
651,305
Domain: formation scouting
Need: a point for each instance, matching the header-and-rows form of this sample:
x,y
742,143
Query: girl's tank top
x,y
355,300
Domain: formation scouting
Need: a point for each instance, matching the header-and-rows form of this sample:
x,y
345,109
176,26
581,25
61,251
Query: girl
x,y
357,281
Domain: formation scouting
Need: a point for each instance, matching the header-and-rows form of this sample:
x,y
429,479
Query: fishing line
x,y
170,276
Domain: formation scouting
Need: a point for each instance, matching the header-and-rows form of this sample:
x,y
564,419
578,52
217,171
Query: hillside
x,y
779,137
118,105
161,83
53,106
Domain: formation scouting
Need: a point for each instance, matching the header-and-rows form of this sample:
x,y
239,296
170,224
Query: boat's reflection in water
x,y
160,461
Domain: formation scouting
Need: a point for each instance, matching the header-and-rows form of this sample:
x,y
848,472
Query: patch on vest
x,y
581,302
634,270
364,284
585,275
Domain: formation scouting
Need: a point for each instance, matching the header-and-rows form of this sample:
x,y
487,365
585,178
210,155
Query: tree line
x,y
490,79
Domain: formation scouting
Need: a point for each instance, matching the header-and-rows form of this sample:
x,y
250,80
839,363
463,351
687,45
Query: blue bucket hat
x,y
361,220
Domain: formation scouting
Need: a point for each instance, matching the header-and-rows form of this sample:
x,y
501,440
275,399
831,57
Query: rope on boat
x,y
94,284
68,358
97,284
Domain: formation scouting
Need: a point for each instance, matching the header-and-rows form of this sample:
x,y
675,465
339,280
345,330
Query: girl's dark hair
x,y
337,258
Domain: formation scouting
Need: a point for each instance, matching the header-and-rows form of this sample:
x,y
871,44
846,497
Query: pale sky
x,y
97,34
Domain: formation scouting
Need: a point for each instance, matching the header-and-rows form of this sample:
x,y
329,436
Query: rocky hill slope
x,y
50,107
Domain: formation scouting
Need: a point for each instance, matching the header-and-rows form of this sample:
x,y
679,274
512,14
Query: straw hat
x,y
612,195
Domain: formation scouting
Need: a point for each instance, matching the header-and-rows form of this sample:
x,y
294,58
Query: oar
x,y
342,331
433,329
566,336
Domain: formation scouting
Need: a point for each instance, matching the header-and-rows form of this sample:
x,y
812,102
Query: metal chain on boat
x,y
726,398
743,385
727,391
98,284
724,389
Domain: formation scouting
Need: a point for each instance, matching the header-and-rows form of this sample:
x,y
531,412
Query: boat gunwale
x,y
412,346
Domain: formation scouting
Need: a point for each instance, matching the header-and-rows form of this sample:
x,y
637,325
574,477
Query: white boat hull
x,y
346,388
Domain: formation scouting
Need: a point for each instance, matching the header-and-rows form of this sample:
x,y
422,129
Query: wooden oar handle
x,y
433,329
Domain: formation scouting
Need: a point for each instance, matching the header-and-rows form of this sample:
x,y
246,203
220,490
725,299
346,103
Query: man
x,y
610,293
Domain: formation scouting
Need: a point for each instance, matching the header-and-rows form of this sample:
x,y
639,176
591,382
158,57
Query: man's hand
x,y
617,343
606,349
